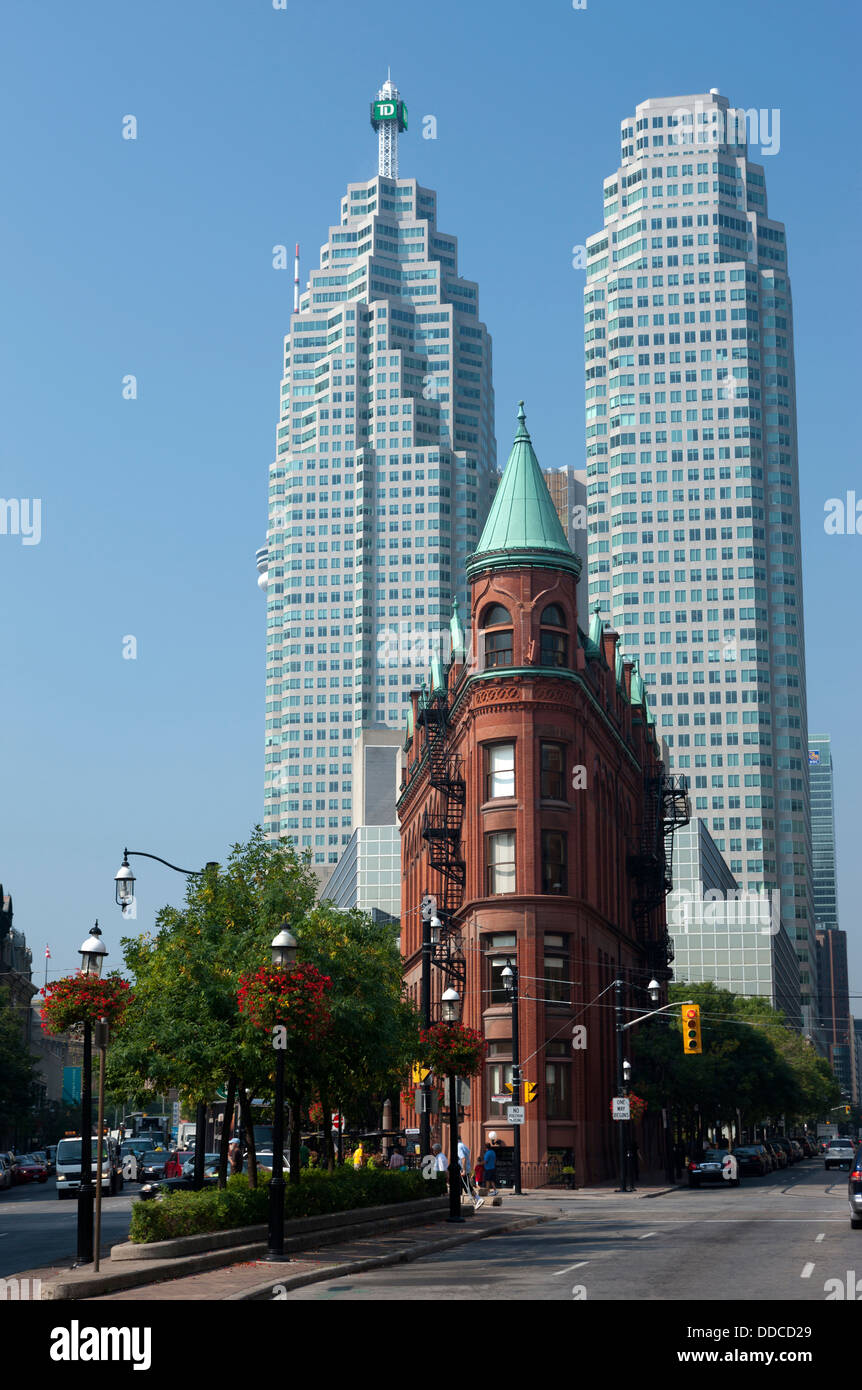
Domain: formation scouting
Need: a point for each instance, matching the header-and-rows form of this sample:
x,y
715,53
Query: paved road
x,y
779,1237
37,1229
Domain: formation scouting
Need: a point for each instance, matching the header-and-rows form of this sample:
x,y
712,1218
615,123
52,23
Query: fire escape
x,y
441,828
666,807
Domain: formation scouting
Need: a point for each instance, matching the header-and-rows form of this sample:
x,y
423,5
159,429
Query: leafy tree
x,y
17,1070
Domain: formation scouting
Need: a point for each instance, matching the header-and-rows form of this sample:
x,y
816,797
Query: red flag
x,y
47,953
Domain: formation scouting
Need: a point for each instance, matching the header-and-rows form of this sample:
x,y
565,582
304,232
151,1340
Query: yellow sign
x,y
530,1089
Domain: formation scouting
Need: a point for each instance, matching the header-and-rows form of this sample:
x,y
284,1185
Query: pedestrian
x,y
479,1172
304,1154
234,1156
464,1158
490,1164
358,1156
396,1158
441,1162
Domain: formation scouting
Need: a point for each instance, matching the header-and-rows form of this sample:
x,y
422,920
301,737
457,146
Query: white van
x,y
69,1167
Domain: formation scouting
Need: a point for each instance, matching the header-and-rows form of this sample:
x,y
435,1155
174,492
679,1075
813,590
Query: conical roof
x,y
523,526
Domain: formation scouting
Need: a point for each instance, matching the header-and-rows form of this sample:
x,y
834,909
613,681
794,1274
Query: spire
x,y
523,527
456,633
389,118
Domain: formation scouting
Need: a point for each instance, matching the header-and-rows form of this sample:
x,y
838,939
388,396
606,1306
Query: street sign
x,y
620,1108
515,1114
505,1099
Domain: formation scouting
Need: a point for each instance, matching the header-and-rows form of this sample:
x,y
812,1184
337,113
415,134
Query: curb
x,y
261,1292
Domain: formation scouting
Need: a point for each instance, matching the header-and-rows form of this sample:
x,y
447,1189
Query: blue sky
x,y
154,257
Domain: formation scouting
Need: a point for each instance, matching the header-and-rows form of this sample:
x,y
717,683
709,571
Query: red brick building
x,y
534,808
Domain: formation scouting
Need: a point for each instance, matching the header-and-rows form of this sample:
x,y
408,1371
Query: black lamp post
x,y
451,1002
92,952
124,893
510,982
283,958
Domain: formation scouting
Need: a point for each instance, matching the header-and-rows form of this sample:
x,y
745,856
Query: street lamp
x,y
283,958
92,953
509,976
451,1007
124,893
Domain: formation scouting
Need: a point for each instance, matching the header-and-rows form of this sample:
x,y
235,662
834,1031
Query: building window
x,y
499,770
499,949
552,776
554,642
498,1075
554,862
500,862
497,631
558,1083
557,988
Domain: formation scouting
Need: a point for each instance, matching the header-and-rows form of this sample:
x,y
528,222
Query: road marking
x,y
821,1236
569,1268
807,1272
647,1235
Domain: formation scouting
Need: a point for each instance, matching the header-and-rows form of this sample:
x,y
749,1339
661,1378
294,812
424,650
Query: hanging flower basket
x,y
637,1106
294,999
452,1048
79,999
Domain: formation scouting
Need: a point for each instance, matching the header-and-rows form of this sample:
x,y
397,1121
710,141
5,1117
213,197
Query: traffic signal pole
x,y
425,1113
516,1077
621,1138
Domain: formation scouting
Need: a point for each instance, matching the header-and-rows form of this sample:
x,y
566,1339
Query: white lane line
x,y
569,1268
807,1271
647,1235
821,1236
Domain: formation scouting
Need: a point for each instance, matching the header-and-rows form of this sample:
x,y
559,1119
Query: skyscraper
x,y
693,527
384,458
823,831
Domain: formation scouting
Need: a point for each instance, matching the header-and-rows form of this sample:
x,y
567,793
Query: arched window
x,y
554,638
497,631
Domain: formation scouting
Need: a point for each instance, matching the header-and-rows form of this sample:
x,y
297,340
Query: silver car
x,y
5,1172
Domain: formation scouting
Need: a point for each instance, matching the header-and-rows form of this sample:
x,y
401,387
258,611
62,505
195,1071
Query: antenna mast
x,y
389,118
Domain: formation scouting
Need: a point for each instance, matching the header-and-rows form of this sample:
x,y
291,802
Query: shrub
x,y
318,1192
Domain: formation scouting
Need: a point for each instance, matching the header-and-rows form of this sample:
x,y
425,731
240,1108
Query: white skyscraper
x,y
693,496
381,482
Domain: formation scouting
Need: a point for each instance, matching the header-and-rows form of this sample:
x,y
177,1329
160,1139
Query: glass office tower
x,y
381,482
693,496
823,831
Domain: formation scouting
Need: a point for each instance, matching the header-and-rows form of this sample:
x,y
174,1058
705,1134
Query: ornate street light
x,y
92,953
283,958
451,1010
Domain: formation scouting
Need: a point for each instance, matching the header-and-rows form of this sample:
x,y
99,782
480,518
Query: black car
x,y
710,1168
752,1159
166,1186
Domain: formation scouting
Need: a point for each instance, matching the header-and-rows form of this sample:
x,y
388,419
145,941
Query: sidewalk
x,y
256,1279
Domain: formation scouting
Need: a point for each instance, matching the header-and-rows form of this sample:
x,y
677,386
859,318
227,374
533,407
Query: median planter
x,y
238,1207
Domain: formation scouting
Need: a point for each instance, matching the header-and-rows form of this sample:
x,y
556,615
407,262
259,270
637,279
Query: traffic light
x,y
847,1110
530,1089
418,1074
691,1029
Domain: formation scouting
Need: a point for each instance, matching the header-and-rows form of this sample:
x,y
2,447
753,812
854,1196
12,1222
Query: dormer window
x,y
497,633
554,637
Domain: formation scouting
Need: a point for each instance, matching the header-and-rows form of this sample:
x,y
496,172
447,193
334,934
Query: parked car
x,y
784,1145
776,1156
165,1186
5,1172
30,1168
839,1153
710,1168
752,1159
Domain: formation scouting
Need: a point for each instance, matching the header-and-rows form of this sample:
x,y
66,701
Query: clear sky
x,y
153,257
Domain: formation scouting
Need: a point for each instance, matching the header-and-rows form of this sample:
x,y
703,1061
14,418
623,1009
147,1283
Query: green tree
x,y
17,1069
